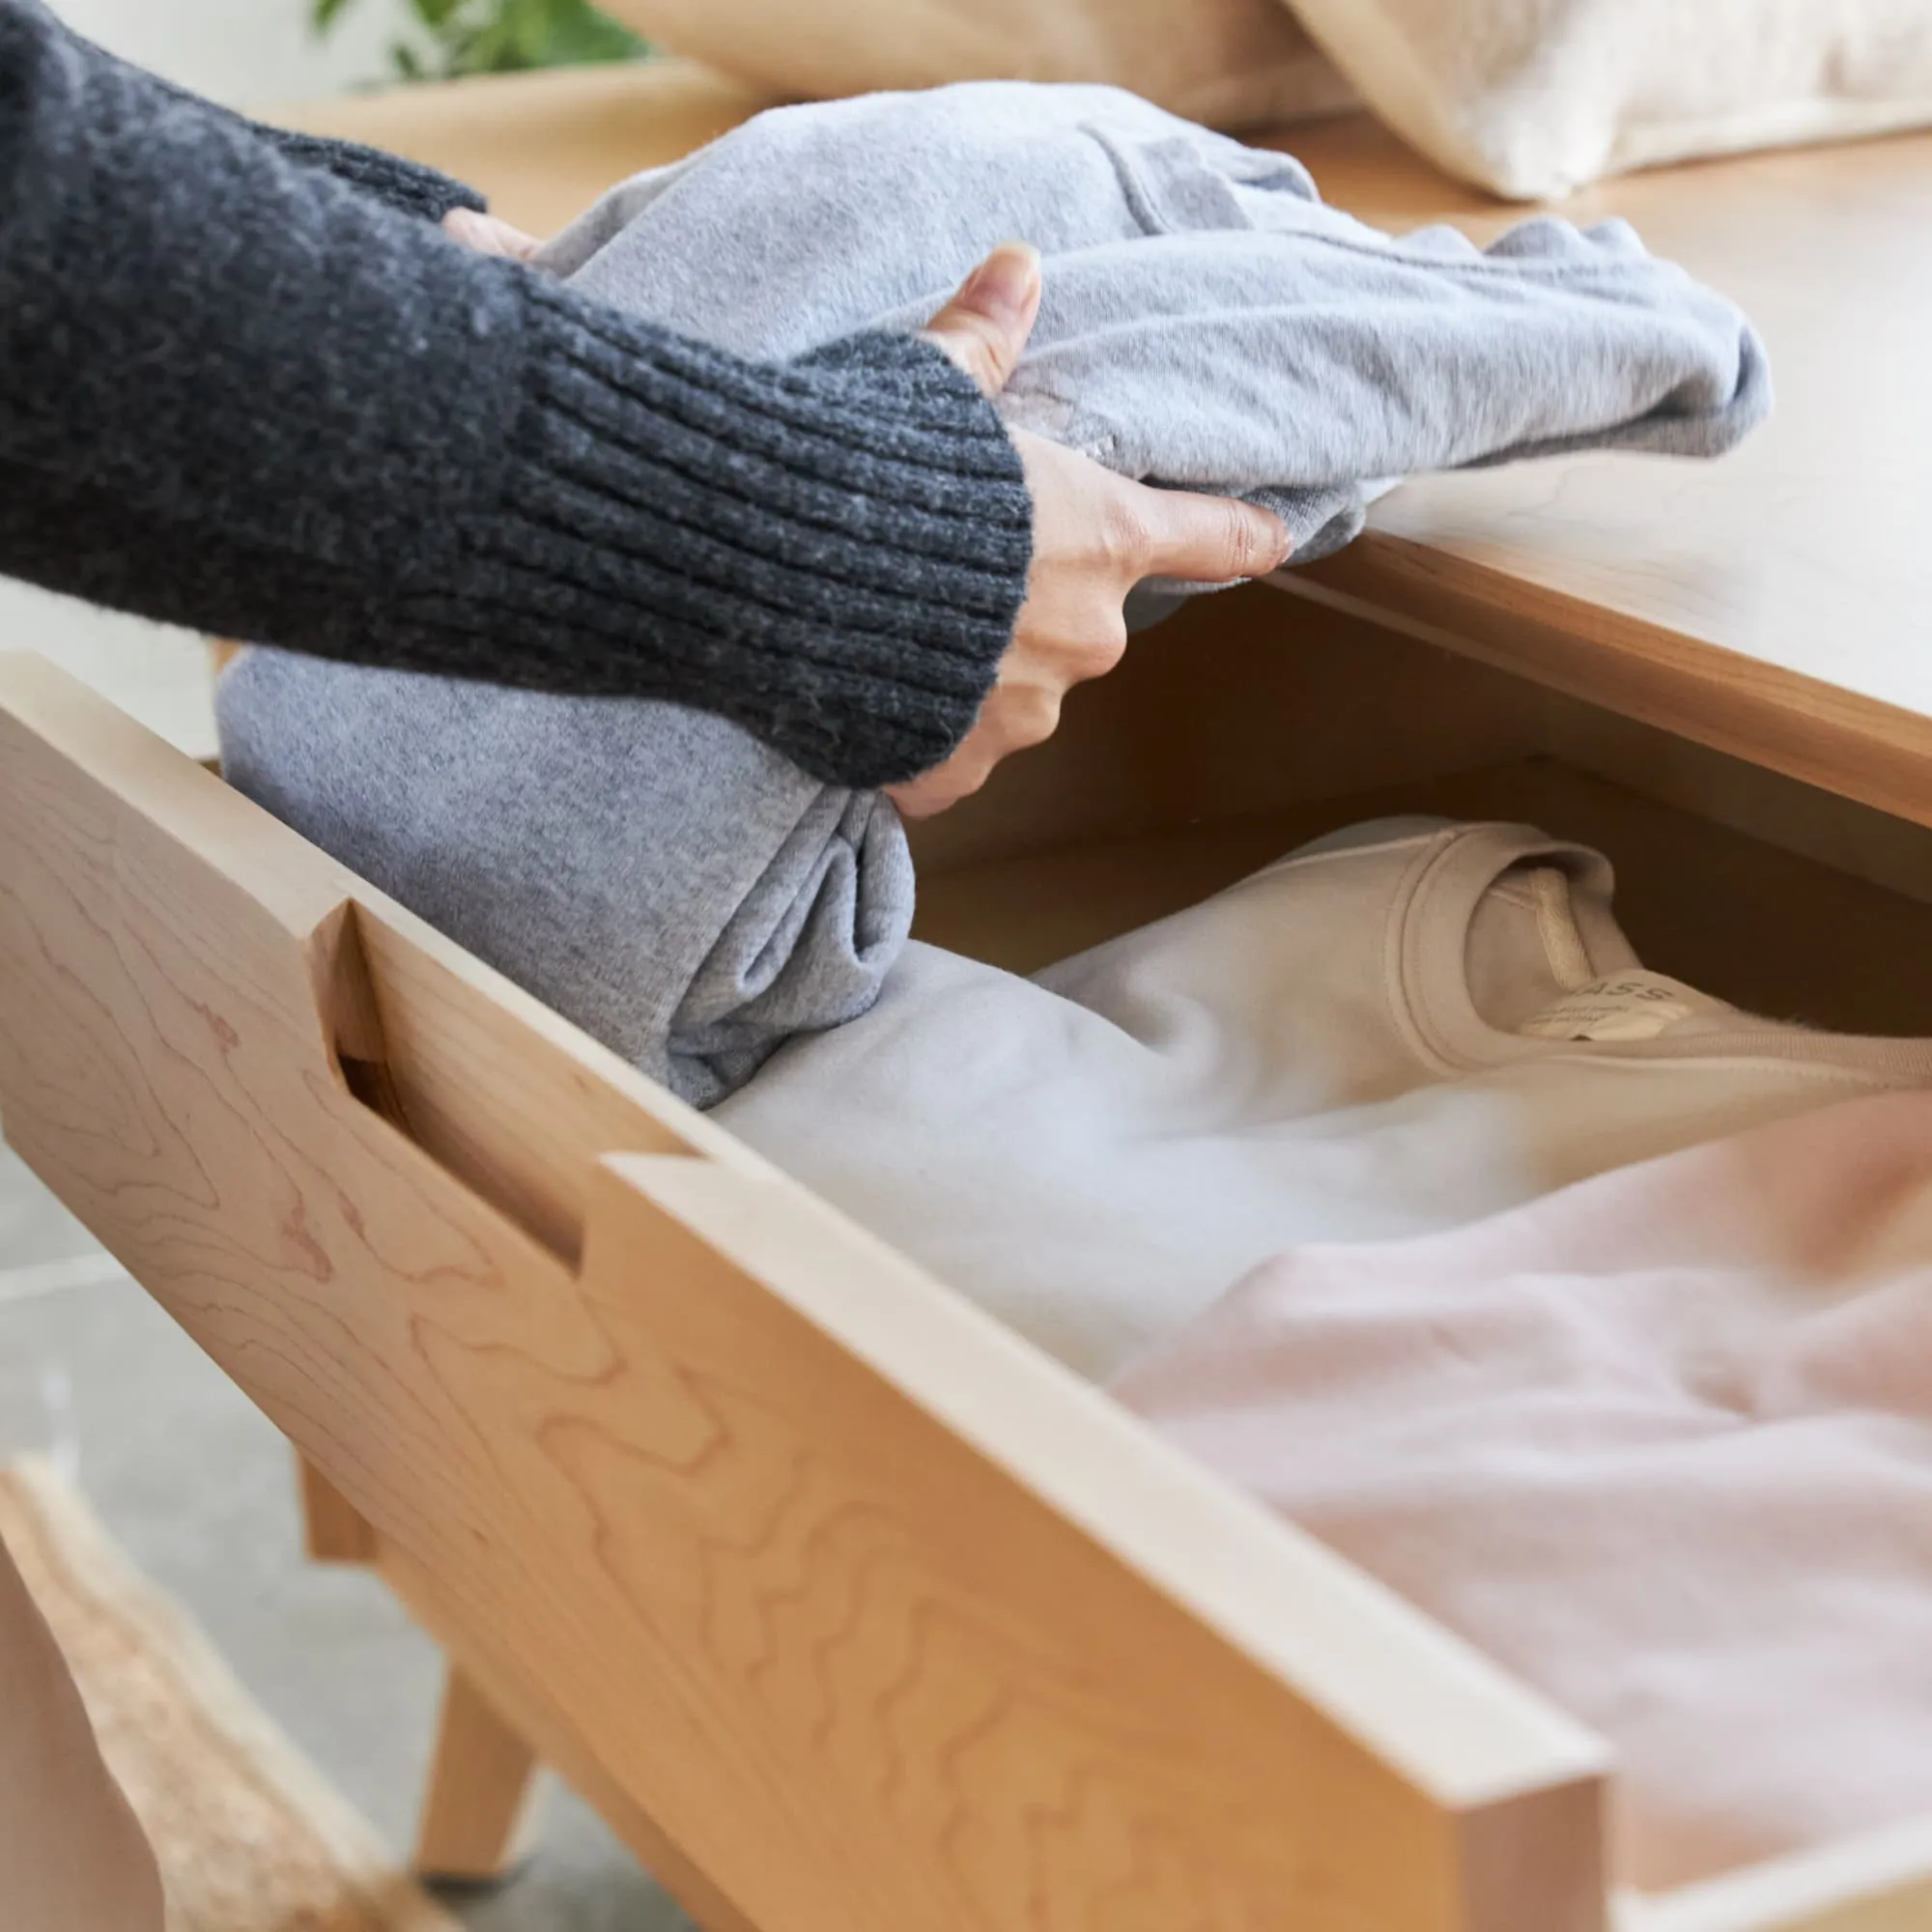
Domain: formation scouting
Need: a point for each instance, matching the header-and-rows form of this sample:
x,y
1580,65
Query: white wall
x,y
242,52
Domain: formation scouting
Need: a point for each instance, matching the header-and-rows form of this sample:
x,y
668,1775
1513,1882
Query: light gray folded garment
x,y
693,899
1207,322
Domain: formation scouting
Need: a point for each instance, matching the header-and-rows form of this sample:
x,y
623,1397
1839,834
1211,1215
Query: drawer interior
x,y
1255,721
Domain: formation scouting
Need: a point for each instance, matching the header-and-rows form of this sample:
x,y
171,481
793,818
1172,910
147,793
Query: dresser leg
x,y
479,1814
332,1532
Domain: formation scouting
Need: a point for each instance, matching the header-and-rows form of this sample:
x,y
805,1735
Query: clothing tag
x,y
1627,1006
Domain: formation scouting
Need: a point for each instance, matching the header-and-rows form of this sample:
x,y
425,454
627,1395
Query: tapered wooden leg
x,y
479,1814
332,1532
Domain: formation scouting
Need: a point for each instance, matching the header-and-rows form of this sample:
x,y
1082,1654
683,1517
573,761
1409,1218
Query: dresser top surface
x,y
1804,551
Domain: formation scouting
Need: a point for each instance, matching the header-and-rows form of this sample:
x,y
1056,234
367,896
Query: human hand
x,y
489,236
1095,536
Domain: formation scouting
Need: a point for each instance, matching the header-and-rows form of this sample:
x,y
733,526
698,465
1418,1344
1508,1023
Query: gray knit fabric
x,y
1208,321
237,391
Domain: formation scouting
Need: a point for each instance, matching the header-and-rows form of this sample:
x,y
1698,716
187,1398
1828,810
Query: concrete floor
x,y
199,1489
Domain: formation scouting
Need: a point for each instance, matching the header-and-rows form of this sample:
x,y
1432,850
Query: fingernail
x,y
1284,542
1005,281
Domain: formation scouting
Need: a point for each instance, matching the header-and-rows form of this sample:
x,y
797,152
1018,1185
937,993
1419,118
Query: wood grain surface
x,y
332,1530
482,1807
876,1616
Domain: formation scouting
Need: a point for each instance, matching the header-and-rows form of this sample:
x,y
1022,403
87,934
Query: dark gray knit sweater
x,y
242,387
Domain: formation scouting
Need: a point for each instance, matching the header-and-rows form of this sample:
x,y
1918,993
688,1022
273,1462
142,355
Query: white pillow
x,y
1534,98
1229,63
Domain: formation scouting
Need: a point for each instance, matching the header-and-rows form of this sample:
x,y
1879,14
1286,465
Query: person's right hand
x,y
1095,536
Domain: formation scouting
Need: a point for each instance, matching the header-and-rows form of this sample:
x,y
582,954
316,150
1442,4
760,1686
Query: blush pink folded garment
x,y
1660,1443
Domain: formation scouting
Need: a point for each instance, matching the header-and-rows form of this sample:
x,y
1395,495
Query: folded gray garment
x,y
654,873
690,898
1207,322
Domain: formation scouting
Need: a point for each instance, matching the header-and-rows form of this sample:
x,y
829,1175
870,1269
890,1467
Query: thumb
x,y
985,326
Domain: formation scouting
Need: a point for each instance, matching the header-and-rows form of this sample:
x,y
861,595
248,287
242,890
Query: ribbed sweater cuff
x,y
407,186
832,551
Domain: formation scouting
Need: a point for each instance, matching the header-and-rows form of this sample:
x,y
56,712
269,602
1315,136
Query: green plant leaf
x,y
500,36
581,34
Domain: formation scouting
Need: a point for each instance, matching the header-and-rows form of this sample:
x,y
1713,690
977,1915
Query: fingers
x,y
1207,539
488,236
1016,716
984,328
934,793
943,787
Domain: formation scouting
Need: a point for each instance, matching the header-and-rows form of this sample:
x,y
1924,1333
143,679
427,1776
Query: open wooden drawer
x,y
847,1609
850,1611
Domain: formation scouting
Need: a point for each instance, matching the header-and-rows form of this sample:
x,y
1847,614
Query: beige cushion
x,y
1229,62
1534,98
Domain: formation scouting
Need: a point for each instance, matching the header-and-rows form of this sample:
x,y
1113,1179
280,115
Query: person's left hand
x,y
488,235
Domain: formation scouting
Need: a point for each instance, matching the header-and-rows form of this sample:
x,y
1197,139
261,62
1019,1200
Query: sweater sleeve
x,y
239,394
